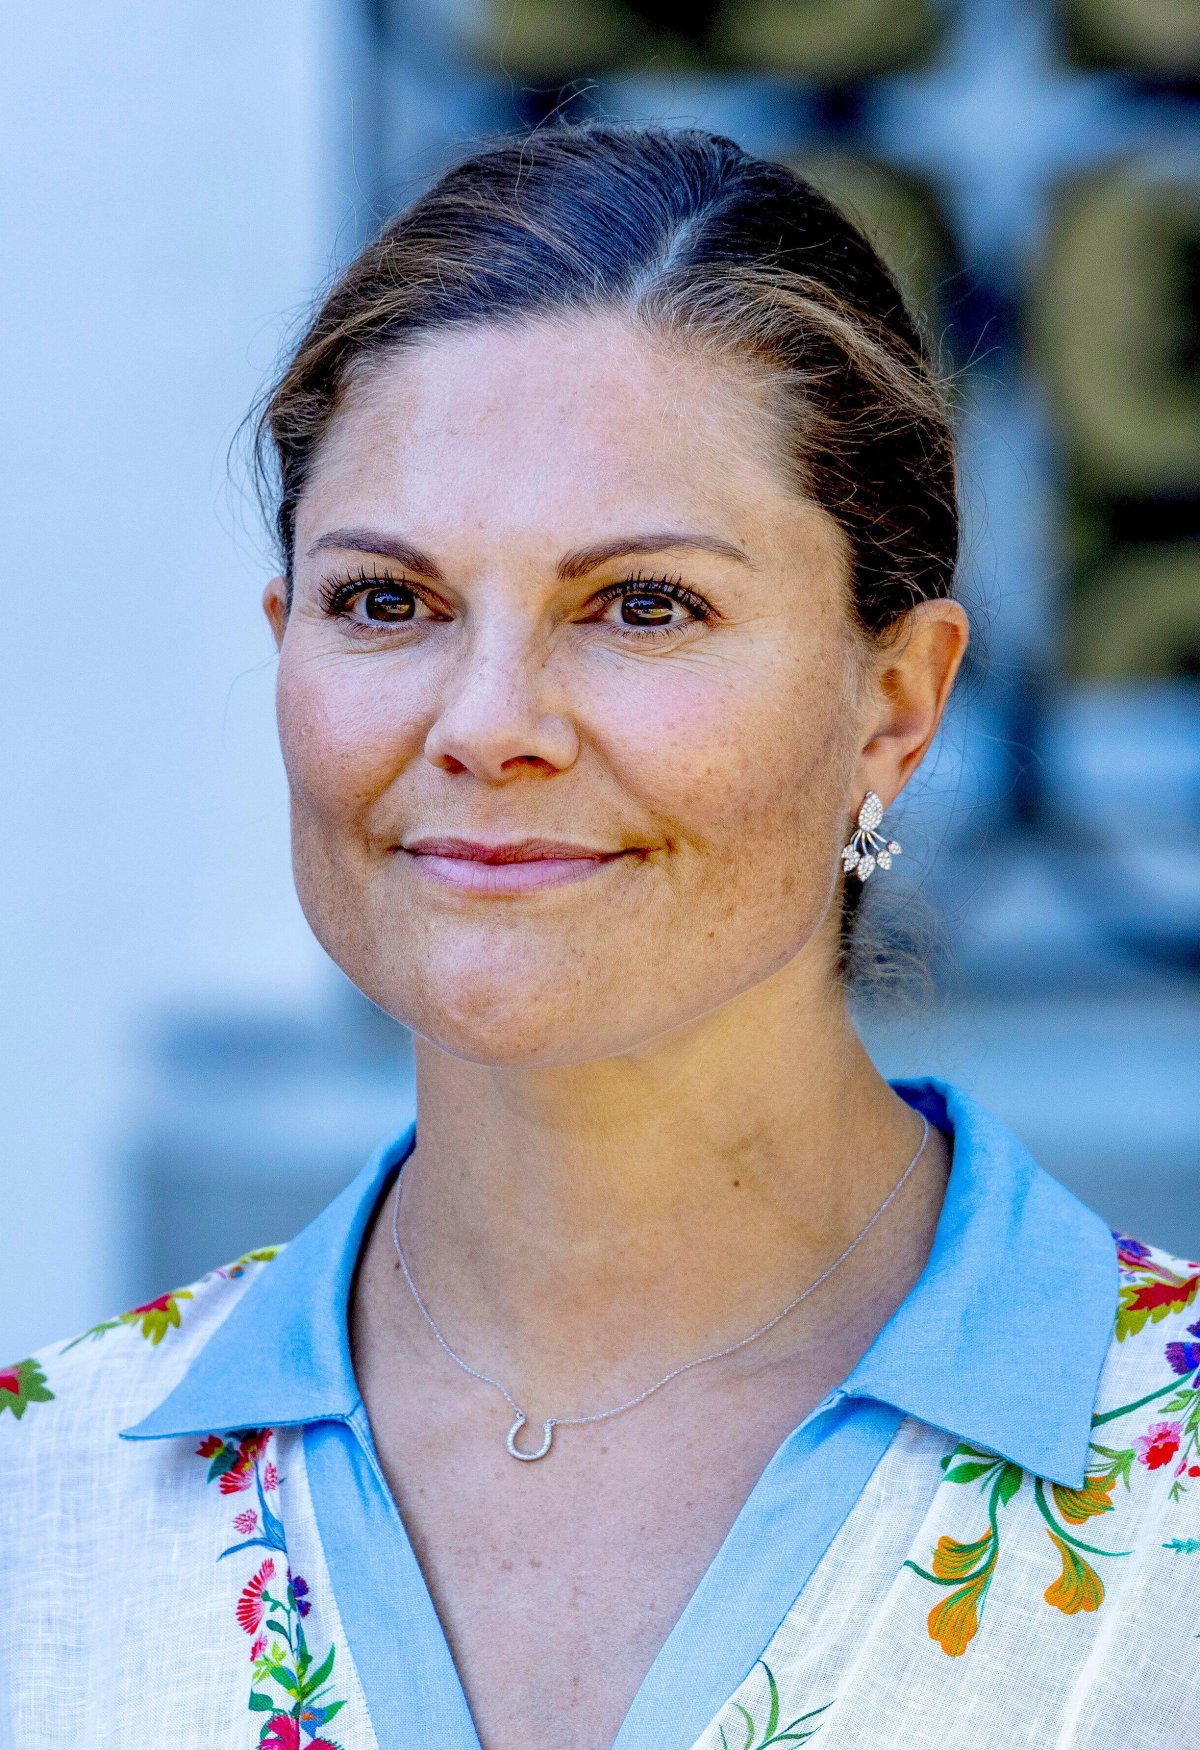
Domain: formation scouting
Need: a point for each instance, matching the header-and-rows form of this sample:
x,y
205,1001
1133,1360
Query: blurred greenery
x,y
819,39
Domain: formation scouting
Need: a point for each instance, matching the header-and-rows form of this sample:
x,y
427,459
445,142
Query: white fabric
x,y
119,1616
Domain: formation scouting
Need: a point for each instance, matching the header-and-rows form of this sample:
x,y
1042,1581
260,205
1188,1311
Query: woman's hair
x,y
689,234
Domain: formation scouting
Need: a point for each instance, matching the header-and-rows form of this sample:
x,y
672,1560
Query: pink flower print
x,y
250,1606
1159,1444
284,1734
258,1648
1131,1254
245,1522
270,1477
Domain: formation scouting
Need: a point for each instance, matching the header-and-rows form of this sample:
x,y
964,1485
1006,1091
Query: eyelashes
x,y
336,597
649,585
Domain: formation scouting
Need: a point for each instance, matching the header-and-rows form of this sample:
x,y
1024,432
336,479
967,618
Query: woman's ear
x,y
912,684
276,608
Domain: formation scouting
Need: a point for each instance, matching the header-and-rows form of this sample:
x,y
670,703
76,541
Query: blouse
x,y
988,1534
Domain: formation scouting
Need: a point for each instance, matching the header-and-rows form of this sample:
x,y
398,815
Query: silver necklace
x,y
554,1422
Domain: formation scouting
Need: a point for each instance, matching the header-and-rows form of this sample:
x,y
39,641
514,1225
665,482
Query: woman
x,y
676,1380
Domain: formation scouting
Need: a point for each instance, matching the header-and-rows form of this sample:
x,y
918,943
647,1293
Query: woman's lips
x,y
519,867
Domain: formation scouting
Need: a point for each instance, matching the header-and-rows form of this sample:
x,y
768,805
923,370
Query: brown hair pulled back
x,y
687,232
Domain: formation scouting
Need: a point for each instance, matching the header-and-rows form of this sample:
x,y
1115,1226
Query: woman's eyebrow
x,y
585,559
389,546
574,564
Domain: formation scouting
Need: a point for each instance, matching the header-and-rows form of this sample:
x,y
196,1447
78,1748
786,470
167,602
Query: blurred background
x,y
184,1073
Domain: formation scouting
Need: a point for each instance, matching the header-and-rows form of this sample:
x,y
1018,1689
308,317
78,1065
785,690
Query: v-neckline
x,y
980,1348
415,1695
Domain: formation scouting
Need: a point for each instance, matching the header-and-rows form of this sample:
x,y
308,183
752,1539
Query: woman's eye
x,y
368,601
651,605
648,608
385,603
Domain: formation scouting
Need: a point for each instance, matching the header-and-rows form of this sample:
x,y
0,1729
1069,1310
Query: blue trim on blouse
x,y
415,1697
1000,1343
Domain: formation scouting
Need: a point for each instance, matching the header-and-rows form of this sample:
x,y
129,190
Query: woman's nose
x,y
495,719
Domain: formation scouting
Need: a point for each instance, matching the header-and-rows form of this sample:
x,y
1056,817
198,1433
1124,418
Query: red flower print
x,y
250,1606
284,1734
245,1522
162,1304
1177,1293
270,1477
10,1381
210,1446
1159,1444
240,1474
258,1648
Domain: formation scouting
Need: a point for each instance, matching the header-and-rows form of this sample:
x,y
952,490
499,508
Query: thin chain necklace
x,y
554,1422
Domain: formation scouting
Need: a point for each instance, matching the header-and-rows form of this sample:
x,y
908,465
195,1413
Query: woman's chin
x,y
508,1033
503,1014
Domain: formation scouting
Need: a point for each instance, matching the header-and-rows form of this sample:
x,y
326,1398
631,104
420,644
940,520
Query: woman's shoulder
x,y
1148,1403
74,1394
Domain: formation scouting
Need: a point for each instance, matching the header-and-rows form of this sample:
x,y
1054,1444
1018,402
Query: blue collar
x,y
999,1343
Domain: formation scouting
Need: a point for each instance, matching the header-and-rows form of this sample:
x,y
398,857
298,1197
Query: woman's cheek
x,y
345,730
716,752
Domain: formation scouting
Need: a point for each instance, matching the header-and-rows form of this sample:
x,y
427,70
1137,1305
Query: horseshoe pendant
x,y
543,1449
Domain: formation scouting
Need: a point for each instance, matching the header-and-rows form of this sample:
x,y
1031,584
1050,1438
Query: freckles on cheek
x,y
342,737
716,755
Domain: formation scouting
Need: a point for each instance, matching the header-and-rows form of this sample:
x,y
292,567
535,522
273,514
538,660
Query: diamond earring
x,y
867,850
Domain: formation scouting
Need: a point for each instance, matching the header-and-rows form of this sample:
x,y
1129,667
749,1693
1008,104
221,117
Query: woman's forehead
x,y
495,423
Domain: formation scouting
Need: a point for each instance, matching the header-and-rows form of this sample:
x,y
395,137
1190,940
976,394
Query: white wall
x,y
174,176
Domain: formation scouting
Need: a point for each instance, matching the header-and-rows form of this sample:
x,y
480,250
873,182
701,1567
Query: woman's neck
x,y
577,1228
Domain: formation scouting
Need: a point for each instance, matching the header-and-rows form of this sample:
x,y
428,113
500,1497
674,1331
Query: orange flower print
x,y
1078,1587
954,1622
1077,1506
969,1567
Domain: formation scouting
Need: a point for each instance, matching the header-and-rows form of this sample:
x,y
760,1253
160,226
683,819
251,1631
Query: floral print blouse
x,y
988,1535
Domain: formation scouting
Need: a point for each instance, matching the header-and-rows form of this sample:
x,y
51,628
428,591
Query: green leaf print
x,y
21,1386
769,1732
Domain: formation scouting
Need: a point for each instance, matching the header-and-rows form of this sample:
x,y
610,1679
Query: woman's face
x,y
554,604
